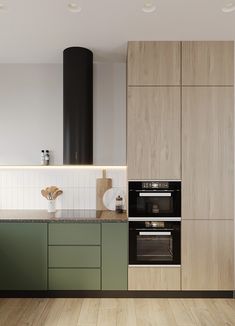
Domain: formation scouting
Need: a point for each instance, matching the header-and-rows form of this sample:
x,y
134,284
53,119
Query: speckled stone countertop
x,y
64,215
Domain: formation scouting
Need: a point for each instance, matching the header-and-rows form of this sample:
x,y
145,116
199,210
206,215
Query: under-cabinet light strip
x,y
64,167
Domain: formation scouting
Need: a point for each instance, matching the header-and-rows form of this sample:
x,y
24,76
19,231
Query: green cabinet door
x,y
74,234
74,279
74,256
114,256
23,256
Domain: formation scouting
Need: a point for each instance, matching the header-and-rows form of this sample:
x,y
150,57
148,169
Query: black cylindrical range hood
x,y
78,106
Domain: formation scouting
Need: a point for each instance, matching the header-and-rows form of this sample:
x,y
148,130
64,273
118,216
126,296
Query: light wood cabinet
x,y
181,105
153,278
154,133
207,63
153,63
207,153
207,255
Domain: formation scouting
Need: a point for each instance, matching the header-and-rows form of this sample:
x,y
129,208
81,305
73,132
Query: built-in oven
x,y
154,200
154,243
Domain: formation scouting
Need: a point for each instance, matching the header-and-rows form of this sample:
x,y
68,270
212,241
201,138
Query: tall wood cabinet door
x,y
208,63
207,255
153,63
207,153
153,146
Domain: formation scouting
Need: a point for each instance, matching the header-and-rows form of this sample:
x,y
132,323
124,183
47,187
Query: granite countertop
x,y
64,215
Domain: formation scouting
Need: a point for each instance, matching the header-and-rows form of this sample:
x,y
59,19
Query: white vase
x,y
51,206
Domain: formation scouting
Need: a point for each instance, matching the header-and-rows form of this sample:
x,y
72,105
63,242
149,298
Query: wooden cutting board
x,y
102,185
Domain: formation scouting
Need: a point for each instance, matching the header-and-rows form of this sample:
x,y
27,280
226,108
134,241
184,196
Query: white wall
x,y
110,114
31,113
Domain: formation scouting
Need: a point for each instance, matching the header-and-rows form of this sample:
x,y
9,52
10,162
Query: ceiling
x,y
35,31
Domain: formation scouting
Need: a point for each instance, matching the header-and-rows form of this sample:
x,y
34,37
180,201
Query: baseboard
x,y
116,294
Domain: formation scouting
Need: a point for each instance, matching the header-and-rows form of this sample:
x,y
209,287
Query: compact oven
x,y
154,200
154,243
154,215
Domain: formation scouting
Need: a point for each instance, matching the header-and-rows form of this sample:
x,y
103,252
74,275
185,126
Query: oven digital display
x,y
155,185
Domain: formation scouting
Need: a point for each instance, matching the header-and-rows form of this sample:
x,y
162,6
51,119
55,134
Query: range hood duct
x,y
78,106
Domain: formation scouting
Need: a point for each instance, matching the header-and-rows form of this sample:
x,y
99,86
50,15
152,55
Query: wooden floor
x,y
108,312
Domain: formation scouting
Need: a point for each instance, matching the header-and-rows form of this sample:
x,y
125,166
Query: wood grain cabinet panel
x,y
208,63
153,278
207,153
153,63
154,133
207,255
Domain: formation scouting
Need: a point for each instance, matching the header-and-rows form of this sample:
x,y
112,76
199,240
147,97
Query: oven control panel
x,y
155,185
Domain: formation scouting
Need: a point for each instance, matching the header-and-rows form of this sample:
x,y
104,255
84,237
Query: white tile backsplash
x,y
20,188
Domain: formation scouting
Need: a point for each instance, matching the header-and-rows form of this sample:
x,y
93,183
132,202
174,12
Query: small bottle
x,y
42,157
47,158
119,204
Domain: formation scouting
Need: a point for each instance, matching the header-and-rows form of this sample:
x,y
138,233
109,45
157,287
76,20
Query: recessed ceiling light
x,y
148,7
229,7
74,7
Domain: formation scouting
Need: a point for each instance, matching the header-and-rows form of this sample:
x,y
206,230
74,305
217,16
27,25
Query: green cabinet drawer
x,y
74,256
114,256
74,234
74,279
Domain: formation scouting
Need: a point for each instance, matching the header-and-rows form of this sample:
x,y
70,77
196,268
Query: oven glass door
x,y
154,246
154,204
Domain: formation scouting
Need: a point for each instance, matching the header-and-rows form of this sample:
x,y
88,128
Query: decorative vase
x,y
51,206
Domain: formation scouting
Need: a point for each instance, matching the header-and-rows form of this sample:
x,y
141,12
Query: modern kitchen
x,y
117,163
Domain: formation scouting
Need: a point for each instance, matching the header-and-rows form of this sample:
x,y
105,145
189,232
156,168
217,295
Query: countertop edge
x,y
62,216
19,220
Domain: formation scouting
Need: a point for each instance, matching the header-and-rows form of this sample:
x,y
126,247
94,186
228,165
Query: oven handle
x,y
154,233
155,194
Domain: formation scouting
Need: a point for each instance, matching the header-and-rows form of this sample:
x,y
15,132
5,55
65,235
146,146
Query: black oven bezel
x,y
173,226
134,187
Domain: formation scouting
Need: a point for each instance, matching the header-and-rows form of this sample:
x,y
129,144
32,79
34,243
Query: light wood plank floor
x,y
119,312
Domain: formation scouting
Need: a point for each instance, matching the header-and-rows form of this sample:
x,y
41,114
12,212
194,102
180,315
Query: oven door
x,y
154,203
154,247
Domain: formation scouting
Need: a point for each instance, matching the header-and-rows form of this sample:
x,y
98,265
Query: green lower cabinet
x,y
74,279
74,234
114,256
23,256
77,260
74,256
